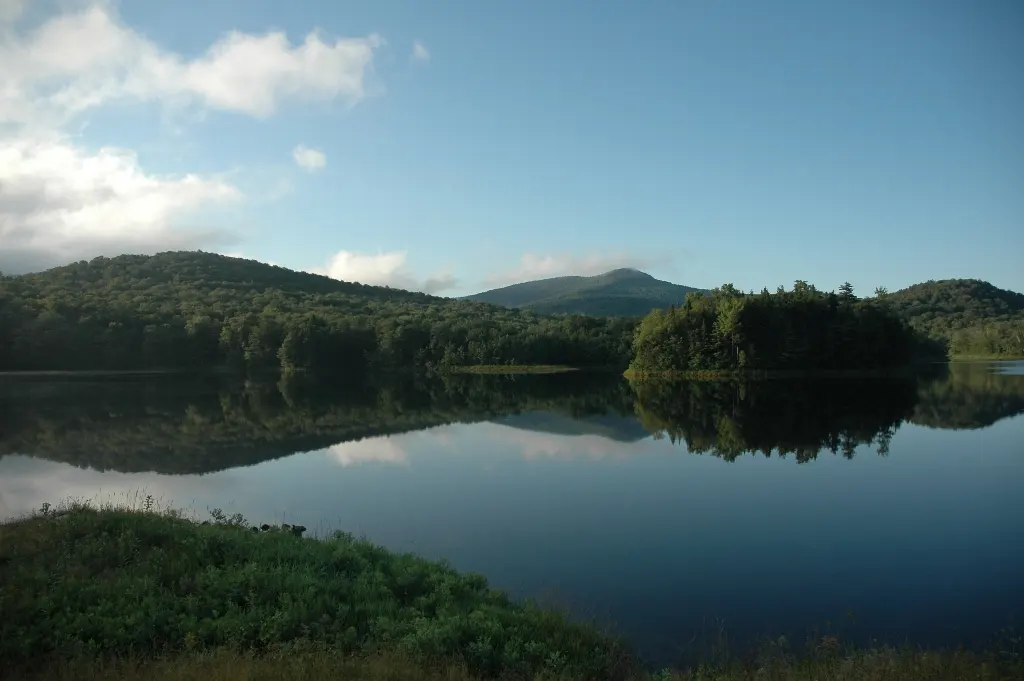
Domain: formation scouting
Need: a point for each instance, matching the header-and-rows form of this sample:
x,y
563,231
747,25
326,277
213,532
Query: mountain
x,y
622,292
941,308
199,310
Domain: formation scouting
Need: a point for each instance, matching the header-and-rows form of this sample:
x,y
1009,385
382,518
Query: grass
x,y
512,369
81,582
126,593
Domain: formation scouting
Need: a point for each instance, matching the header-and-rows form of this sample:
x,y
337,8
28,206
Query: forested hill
x,y
622,292
974,316
202,274
941,307
194,309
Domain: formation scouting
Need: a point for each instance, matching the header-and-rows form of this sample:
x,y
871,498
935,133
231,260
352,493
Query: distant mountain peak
x,y
630,272
625,291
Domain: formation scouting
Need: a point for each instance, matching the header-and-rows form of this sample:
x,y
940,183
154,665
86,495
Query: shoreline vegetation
x,y
133,591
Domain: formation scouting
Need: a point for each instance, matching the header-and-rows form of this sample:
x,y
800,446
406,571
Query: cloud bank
x,y
61,200
60,203
81,60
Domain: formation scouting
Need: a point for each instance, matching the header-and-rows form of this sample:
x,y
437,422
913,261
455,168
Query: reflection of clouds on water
x,y
268,489
537,445
392,449
26,483
376,449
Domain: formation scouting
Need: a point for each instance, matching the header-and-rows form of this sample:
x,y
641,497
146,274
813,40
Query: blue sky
x,y
454,146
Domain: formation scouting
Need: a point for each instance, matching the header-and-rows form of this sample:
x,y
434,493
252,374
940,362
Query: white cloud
x,y
382,269
308,159
420,52
11,10
81,60
60,201
542,266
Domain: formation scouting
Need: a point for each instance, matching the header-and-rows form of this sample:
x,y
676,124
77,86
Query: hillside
x,y
941,307
975,317
196,310
622,292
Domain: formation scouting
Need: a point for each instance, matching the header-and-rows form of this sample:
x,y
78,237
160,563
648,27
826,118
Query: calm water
x,y
889,510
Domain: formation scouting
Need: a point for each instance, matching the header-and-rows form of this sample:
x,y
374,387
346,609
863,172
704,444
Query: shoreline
x,y
498,369
157,593
513,369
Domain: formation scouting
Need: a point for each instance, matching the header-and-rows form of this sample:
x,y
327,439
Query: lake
x,y
887,510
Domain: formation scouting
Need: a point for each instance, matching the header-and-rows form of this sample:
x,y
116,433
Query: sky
x,y
461,145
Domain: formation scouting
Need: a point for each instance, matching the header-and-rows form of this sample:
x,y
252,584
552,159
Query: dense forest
x,y
202,423
191,310
975,317
801,329
996,339
194,309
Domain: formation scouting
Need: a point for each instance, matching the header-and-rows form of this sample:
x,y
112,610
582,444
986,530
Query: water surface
x,y
888,510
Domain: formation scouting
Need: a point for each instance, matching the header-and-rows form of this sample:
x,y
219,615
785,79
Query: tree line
x,y
194,310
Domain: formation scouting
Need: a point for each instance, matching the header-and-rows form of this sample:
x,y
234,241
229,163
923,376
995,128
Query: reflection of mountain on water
x,y
609,426
971,395
199,424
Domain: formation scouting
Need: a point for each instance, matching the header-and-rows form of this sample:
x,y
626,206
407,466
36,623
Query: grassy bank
x,y
122,594
512,369
84,583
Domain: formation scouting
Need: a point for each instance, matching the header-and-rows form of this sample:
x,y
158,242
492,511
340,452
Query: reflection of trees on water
x,y
807,417
801,418
968,395
202,424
